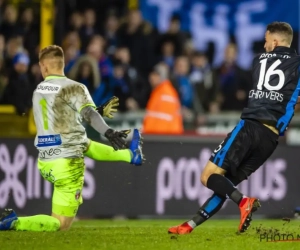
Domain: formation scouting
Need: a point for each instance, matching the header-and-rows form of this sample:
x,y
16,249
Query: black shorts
x,y
246,148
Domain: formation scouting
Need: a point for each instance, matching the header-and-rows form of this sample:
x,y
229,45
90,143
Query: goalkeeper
x,y
59,104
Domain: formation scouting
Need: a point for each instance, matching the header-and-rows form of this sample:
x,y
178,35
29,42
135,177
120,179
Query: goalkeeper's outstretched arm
x,y
94,119
116,138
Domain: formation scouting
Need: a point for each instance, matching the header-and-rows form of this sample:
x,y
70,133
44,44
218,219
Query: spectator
x,y
13,46
121,88
29,31
205,83
139,88
96,50
71,46
86,71
175,35
3,78
76,22
9,27
88,30
2,47
110,34
189,49
18,91
168,54
136,34
1,10
182,83
163,108
235,83
71,56
35,75
72,39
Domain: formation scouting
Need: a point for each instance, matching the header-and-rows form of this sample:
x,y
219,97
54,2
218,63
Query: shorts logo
x,y
49,140
77,195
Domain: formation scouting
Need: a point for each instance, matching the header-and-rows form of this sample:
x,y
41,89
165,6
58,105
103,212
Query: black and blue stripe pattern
x,y
220,156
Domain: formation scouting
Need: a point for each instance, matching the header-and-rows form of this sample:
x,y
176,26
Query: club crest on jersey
x,y
49,140
47,88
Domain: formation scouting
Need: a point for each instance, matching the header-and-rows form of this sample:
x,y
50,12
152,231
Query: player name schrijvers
x,y
271,95
47,87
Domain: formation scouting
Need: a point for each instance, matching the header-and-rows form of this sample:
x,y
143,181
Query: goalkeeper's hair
x,y
283,29
53,52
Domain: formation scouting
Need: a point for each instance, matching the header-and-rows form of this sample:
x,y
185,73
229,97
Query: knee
x,y
210,169
204,177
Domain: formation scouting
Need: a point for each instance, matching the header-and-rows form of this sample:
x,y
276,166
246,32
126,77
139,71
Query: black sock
x,y
222,186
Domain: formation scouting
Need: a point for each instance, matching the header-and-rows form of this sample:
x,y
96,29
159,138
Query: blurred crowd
x,y
119,58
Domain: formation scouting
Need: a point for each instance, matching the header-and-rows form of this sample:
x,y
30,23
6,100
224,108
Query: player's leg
x,y
102,152
212,205
263,149
67,175
215,202
263,144
225,158
67,195
10,221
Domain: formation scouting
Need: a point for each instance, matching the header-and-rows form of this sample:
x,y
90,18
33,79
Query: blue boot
x,y
7,218
136,148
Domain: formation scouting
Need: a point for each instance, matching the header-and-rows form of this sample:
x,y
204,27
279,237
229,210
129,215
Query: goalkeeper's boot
x,y
247,207
136,148
7,219
184,228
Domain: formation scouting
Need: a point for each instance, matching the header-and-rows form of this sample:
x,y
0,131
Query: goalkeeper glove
x,y
116,138
109,107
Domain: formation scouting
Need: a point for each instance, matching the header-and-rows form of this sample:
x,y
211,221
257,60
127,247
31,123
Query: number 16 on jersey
x,y
264,77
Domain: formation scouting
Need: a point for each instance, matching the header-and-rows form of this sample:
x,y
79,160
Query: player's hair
x,y
53,52
282,28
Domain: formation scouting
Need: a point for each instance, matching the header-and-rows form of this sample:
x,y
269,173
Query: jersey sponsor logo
x,y
268,55
47,88
49,140
270,95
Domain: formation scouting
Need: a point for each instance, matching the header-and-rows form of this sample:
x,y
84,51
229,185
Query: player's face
x,y
270,42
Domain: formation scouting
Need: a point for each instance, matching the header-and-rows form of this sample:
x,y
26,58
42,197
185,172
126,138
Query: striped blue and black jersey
x,y
276,88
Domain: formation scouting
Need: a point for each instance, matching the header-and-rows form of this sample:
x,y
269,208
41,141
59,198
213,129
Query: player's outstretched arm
x,y
116,138
108,108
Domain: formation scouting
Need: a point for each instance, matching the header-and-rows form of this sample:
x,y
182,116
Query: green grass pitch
x,y
152,234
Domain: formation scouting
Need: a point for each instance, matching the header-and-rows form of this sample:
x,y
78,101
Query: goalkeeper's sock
x,y
37,223
207,210
102,152
224,187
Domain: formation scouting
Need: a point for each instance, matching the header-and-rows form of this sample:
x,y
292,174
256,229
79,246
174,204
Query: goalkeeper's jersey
x,y
57,102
